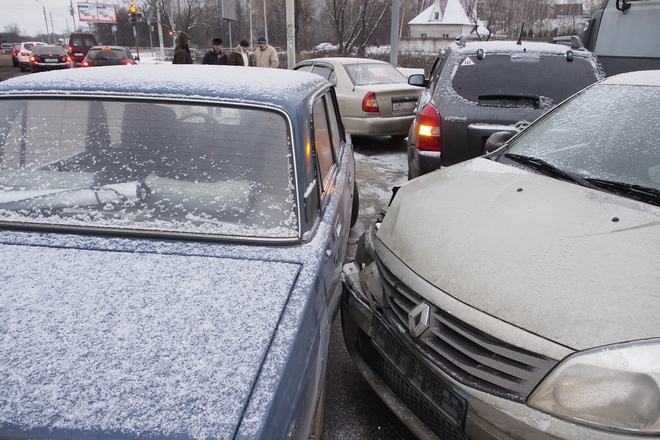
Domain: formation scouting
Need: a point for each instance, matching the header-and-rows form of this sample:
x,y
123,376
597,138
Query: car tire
x,y
356,206
23,68
15,63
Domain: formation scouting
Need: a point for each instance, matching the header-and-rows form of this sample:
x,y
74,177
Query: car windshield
x,y
363,74
147,166
609,133
547,77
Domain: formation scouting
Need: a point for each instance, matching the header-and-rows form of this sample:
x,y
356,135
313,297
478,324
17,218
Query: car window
x,y
89,41
305,68
323,71
374,73
550,77
323,141
147,166
608,133
76,41
107,54
27,46
438,66
48,49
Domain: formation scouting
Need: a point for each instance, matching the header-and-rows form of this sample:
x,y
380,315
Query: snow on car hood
x,y
570,264
136,343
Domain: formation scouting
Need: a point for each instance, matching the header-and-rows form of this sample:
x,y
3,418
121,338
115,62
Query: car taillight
x,y
85,63
369,103
33,58
429,130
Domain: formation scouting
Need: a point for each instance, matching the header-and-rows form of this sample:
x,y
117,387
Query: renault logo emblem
x,y
418,319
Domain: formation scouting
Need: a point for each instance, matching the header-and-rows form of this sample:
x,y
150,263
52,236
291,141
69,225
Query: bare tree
x,y
355,22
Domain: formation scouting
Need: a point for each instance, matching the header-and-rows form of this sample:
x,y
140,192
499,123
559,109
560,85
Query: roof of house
x,y
451,12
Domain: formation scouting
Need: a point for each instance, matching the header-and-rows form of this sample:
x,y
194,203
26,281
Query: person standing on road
x,y
216,55
240,55
265,55
182,50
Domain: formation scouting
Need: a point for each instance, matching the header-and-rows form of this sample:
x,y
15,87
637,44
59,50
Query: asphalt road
x,y
352,409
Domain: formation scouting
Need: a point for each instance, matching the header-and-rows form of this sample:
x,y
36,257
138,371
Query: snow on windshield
x,y
147,166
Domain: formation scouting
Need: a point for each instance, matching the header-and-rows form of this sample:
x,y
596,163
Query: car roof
x,y
638,78
278,87
107,46
510,46
345,60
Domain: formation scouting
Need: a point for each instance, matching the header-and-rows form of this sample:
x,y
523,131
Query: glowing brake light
x,y
369,103
85,63
429,130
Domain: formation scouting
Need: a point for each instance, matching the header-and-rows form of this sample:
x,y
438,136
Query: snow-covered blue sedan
x,y
170,244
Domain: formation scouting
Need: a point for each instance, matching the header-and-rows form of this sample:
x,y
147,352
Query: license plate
x,y
403,106
79,54
51,60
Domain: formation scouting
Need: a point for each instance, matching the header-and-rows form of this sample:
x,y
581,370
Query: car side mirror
x,y
418,80
497,140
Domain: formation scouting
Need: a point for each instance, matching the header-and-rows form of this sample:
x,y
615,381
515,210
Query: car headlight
x,y
615,387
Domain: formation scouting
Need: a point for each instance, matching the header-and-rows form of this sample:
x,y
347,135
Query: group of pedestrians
x,y
264,56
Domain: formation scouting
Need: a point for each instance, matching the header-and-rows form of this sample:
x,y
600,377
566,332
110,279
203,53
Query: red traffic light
x,y
171,32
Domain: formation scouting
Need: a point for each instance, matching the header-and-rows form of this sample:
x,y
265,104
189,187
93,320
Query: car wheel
x,y
356,206
15,63
23,69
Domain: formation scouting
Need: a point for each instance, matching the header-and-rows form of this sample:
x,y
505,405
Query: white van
x,y
625,34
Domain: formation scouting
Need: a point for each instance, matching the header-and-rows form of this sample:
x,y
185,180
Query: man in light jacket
x,y
240,55
265,55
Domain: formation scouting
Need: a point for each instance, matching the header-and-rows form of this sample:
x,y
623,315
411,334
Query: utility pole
x,y
265,22
46,20
394,33
73,16
290,34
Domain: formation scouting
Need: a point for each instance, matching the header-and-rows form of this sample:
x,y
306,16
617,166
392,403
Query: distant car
x,y
515,295
108,56
24,53
14,54
477,88
77,45
325,47
171,248
49,57
374,97
6,48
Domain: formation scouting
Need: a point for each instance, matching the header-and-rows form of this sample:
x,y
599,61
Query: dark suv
x,y
481,87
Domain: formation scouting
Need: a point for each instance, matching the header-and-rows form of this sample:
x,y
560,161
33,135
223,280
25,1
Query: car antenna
x,y
519,42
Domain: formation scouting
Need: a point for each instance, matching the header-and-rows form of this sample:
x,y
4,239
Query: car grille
x,y
465,353
438,407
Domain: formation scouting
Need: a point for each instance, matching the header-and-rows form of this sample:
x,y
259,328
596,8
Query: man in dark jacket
x,y
182,51
216,55
240,55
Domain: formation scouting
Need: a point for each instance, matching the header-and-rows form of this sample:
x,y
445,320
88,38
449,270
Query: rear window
x,y
363,74
107,54
48,49
147,166
550,78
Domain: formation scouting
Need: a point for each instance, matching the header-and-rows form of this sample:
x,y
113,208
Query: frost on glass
x,y
147,166
609,133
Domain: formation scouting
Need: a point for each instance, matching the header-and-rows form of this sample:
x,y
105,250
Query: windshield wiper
x,y
548,169
637,192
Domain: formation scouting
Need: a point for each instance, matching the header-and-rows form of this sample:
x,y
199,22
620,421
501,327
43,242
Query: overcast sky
x,y
29,15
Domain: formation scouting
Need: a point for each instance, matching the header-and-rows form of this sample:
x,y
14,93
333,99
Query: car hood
x,y
573,265
133,343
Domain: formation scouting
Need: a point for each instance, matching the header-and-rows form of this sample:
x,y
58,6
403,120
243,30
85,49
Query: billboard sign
x,y
96,13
